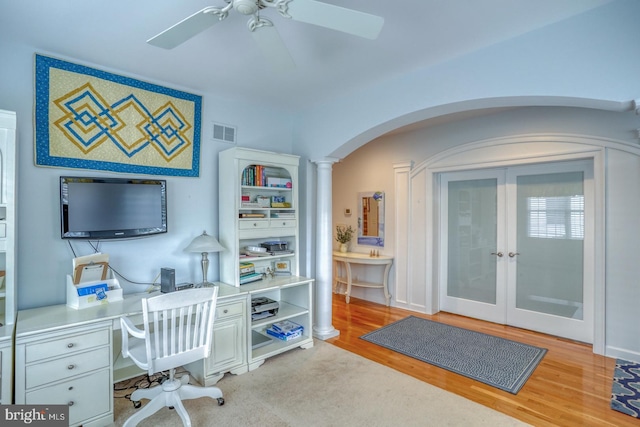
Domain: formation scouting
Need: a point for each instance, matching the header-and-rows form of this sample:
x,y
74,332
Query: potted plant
x,y
343,236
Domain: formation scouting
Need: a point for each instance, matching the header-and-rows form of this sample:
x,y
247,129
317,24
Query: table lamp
x,y
204,244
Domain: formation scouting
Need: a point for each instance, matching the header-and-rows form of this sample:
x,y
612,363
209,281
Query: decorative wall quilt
x,y
91,119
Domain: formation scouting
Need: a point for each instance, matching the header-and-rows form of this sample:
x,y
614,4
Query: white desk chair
x,y
177,330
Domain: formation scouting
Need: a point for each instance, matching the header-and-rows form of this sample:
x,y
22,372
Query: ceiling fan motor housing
x,y
246,7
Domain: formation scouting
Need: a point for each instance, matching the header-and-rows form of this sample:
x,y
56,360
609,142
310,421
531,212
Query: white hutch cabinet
x,y
259,205
8,300
250,183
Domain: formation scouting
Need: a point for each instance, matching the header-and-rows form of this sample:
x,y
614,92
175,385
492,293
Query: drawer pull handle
x,y
225,311
70,345
70,367
71,403
70,388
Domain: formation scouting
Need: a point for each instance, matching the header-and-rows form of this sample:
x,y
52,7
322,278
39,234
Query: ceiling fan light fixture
x,y
246,7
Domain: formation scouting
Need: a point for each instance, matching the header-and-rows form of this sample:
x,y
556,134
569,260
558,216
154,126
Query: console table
x,y
349,258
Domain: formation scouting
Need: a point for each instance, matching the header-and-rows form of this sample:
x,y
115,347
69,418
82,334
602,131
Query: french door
x,y
516,247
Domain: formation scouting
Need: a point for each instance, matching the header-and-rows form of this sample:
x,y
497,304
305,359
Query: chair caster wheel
x,y
220,401
137,404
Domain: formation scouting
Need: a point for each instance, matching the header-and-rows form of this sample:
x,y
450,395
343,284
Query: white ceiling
x,y
224,60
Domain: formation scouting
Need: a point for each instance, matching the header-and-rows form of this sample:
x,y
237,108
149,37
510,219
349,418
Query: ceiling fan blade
x,y
336,18
273,47
185,29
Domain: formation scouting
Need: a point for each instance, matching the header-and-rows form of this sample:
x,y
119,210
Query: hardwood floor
x,y
570,387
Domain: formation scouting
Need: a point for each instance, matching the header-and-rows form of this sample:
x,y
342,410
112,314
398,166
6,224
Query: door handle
x,y
512,254
498,254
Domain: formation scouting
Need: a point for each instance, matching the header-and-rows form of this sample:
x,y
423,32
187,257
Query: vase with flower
x,y
343,236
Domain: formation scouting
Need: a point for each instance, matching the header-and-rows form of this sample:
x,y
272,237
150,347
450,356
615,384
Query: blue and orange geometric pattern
x,y
87,118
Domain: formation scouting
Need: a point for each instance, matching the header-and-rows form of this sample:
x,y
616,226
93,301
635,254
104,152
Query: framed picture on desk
x,y
282,267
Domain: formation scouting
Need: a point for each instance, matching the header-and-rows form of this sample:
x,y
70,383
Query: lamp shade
x,y
204,243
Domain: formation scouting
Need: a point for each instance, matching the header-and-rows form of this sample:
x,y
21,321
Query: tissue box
x,y
263,201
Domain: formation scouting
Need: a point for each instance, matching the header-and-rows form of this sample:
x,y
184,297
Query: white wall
x,y
590,61
44,259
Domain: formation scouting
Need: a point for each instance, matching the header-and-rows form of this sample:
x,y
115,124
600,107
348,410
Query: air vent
x,y
224,133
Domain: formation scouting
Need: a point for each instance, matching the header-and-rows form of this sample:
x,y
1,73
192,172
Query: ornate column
x,y
322,328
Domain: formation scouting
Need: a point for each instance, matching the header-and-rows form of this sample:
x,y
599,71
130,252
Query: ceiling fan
x,y
262,29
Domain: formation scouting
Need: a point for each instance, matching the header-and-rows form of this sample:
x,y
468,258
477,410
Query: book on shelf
x,y
251,277
247,267
252,215
254,176
261,176
284,214
250,253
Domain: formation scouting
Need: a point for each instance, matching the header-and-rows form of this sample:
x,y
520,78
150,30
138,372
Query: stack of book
x,y
248,273
285,330
284,215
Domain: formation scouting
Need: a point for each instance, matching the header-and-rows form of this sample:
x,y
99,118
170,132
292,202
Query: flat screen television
x,y
112,208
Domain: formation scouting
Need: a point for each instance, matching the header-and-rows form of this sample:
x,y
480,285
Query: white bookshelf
x,y
247,223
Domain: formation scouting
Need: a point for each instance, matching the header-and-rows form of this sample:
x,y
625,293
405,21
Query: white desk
x,y
69,356
348,258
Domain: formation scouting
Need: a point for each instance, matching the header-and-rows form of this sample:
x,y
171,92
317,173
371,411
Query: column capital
x,y
325,160
407,164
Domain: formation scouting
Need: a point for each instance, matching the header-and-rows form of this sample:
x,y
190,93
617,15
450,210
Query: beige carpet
x,y
326,386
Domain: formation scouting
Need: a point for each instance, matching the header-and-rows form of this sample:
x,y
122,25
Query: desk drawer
x,y
66,367
87,396
283,223
252,224
65,345
229,310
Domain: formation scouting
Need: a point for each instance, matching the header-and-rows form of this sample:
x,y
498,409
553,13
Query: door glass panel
x,y
472,234
550,236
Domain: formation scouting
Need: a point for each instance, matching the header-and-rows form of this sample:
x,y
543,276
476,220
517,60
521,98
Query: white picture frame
x,y
282,266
